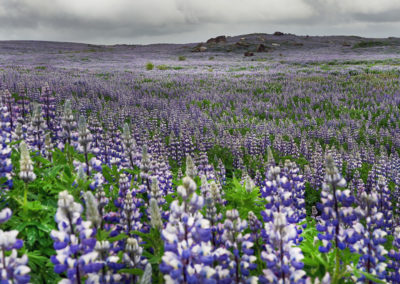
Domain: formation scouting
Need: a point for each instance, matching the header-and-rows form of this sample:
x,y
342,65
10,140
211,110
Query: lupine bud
x,y
155,215
146,277
26,166
92,209
191,170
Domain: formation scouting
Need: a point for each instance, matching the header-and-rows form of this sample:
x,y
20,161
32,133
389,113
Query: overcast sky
x,y
183,21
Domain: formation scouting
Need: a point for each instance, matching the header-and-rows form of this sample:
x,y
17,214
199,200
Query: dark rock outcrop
x,y
218,39
261,48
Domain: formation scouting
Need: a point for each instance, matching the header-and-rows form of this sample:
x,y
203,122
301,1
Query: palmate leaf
x,y
40,159
153,245
242,200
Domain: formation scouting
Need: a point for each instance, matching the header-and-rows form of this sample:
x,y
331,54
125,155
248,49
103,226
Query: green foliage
x,y
242,200
312,197
162,67
153,251
365,44
316,264
182,58
35,219
149,66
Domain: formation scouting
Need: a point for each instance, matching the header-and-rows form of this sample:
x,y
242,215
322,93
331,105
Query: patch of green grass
x,y
366,44
149,66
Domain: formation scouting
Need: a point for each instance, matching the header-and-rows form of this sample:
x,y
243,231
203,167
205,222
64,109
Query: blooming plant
x,y
208,172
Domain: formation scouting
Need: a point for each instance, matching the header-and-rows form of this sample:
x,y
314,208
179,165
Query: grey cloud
x,y
137,21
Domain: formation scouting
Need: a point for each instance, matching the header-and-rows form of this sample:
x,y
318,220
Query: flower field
x,y
153,164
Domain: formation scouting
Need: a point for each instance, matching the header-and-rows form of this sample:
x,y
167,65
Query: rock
x,y
261,48
242,43
218,39
298,44
199,48
278,33
248,53
275,44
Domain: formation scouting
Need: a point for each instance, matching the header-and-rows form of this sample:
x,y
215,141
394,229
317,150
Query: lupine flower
x,y
155,216
130,215
385,203
5,150
373,236
12,268
25,164
280,232
145,166
187,257
331,222
213,200
283,259
47,101
243,259
394,261
191,170
68,123
37,129
85,139
74,241
129,146
146,277
92,209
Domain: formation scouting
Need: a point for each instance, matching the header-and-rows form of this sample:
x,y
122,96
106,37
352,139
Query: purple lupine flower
x,y
84,140
213,201
394,261
5,150
188,250
74,241
37,129
280,232
385,202
373,236
48,105
330,224
242,259
68,124
282,257
13,269
129,144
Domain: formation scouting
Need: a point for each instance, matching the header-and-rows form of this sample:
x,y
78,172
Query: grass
x,y
366,44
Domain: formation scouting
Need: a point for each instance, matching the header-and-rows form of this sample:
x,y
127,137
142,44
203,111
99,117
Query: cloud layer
x,y
139,21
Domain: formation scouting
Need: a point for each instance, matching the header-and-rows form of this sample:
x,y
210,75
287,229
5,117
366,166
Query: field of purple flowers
x,y
152,164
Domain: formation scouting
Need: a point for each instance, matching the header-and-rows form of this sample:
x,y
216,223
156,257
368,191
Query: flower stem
x,y
25,198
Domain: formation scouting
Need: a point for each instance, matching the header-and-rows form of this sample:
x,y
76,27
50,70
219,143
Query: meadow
x,y
155,164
